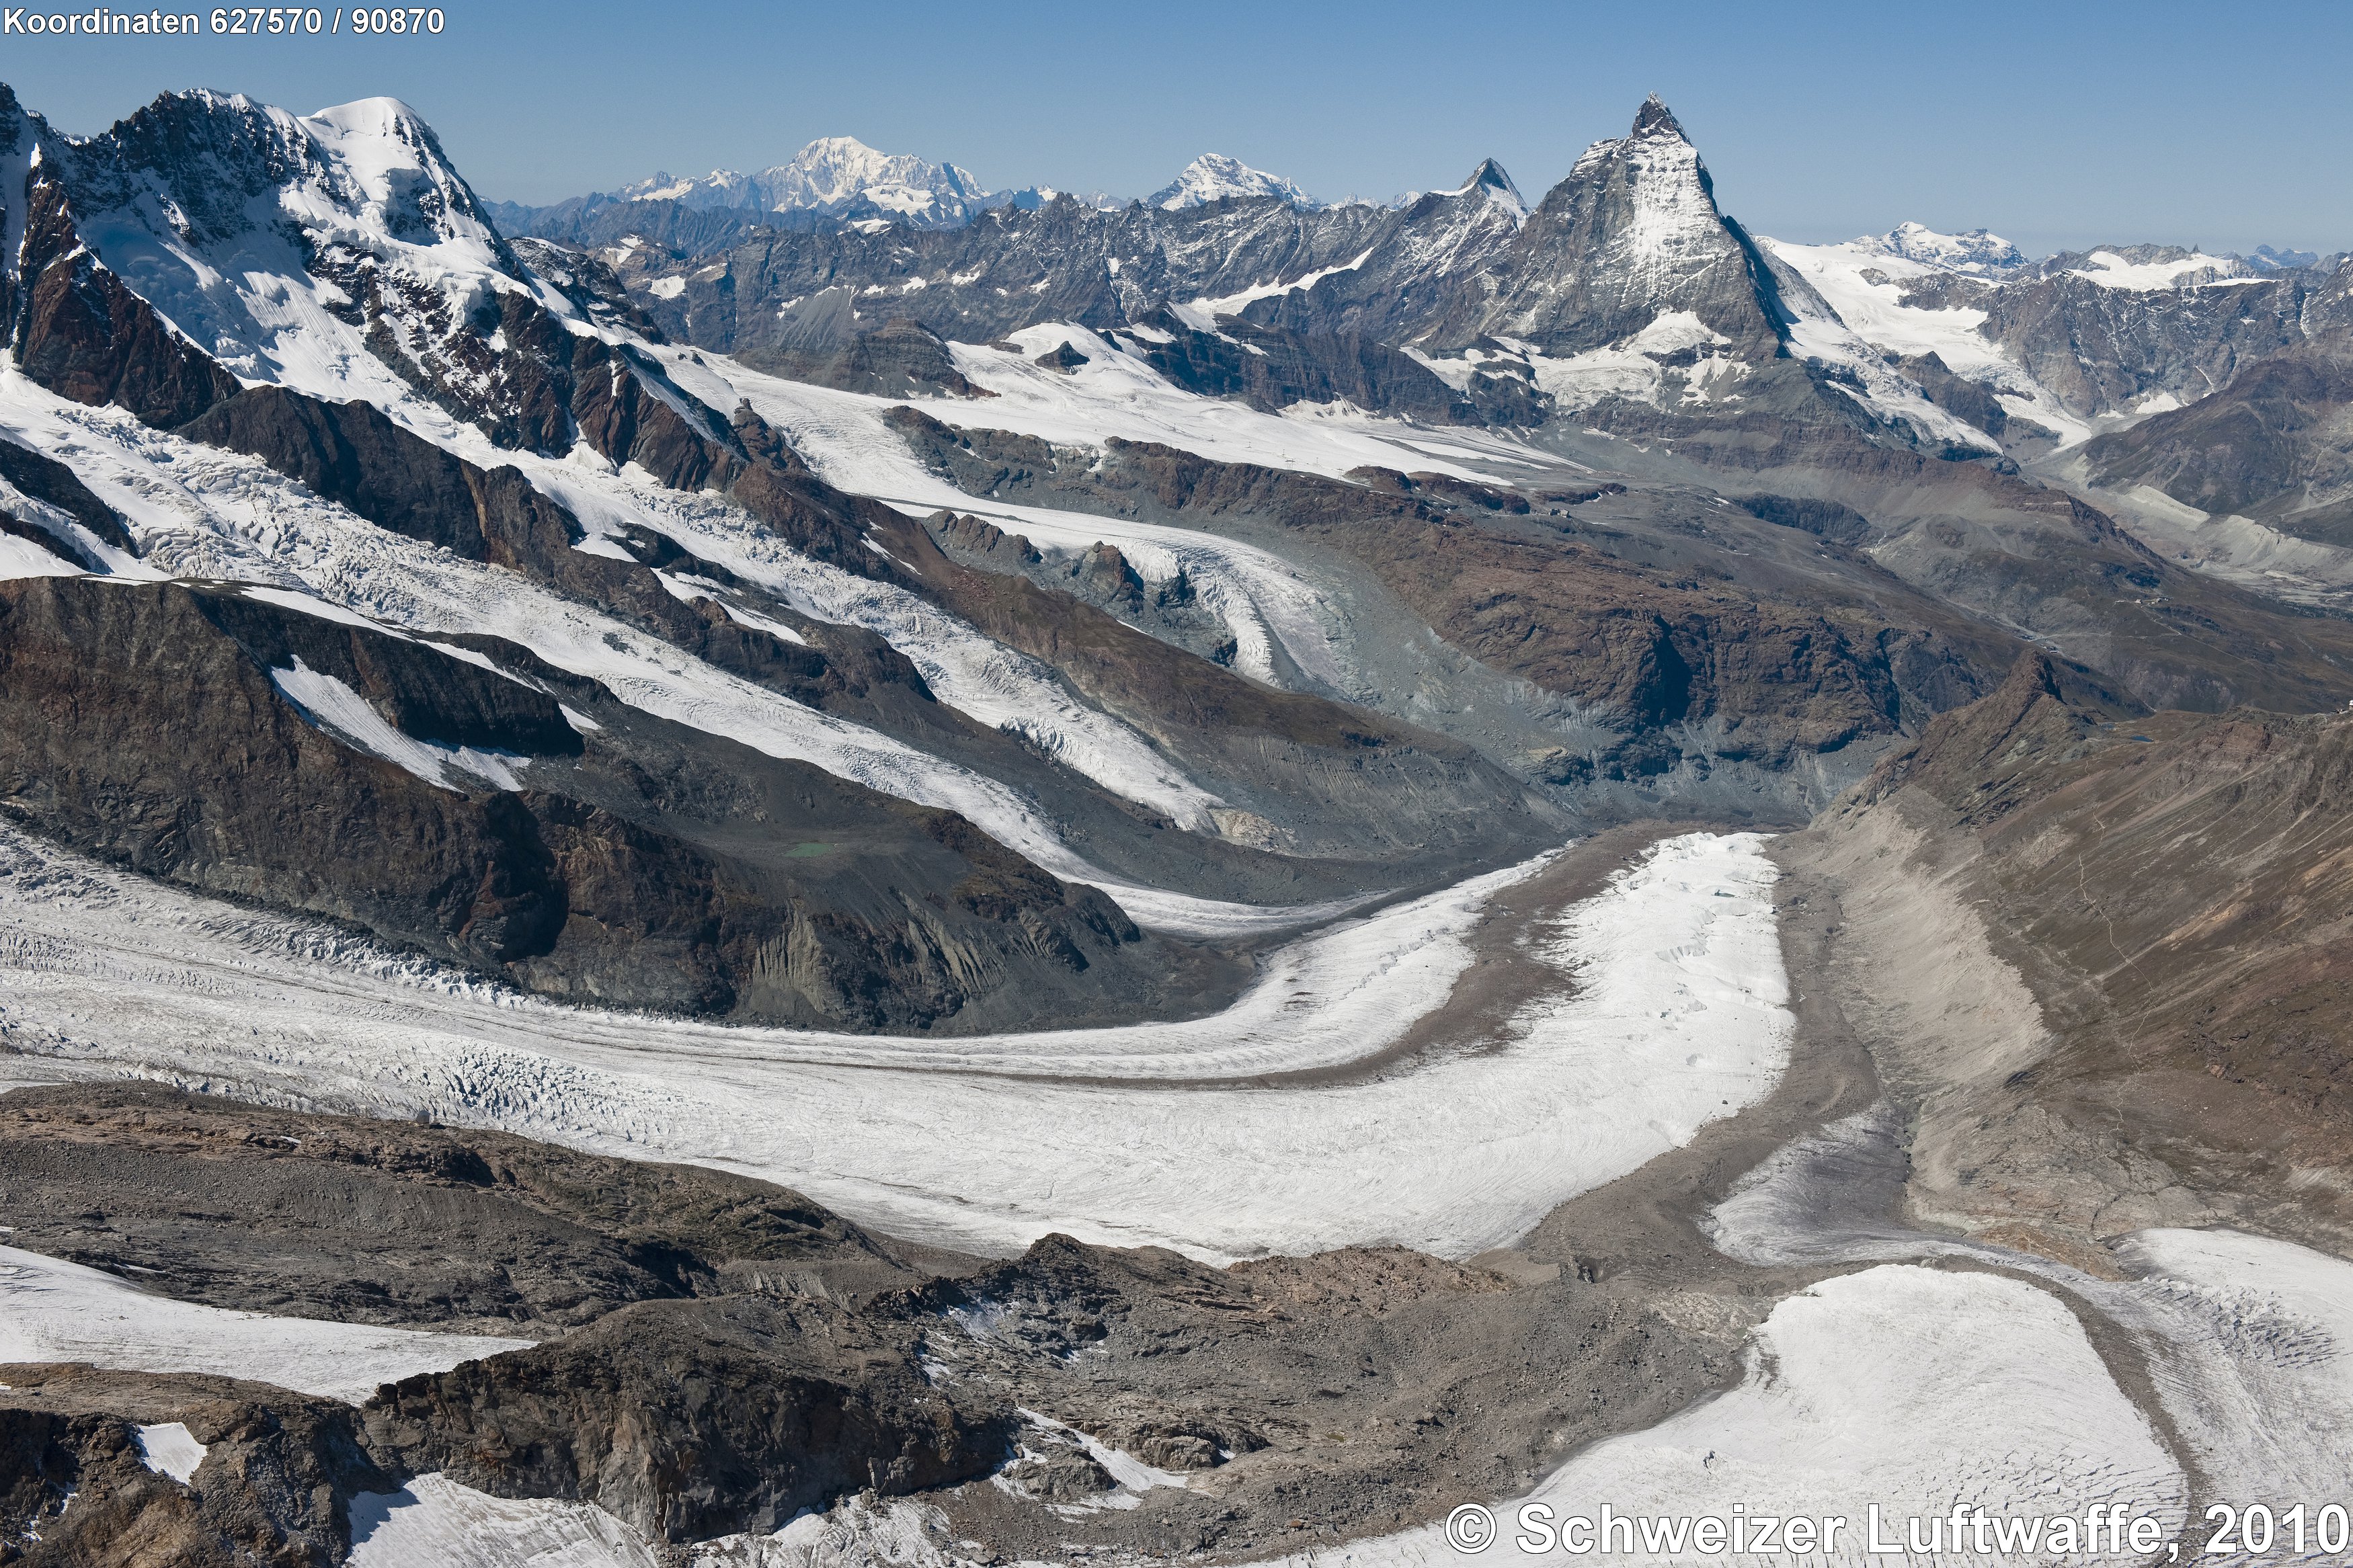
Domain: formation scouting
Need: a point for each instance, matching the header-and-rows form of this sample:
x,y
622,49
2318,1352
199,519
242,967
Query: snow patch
x,y
52,1310
169,1448
333,708
2110,270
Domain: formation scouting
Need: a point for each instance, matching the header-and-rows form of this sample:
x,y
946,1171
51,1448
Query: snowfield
x,y
1669,1011
2249,1341
1263,600
436,1521
52,1310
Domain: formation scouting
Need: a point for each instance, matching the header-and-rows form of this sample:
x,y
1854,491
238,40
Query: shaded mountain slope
x,y
247,749
2275,444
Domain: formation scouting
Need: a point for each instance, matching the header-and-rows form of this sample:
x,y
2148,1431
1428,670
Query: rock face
x,y
165,728
690,1420
380,1222
1632,235
2275,444
275,1484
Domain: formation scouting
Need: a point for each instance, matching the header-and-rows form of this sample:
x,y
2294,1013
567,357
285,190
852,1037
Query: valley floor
x,y
1628,1074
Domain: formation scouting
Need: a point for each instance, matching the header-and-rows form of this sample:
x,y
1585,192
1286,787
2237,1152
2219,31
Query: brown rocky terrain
x,y
389,1222
1459,806
1353,1389
276,1485
1536,587
2160,1027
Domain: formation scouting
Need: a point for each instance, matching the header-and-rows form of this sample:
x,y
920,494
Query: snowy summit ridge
x,y
1214,177
834,174
1977,252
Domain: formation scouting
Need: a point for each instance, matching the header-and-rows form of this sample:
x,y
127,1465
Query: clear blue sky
x,y
2056,124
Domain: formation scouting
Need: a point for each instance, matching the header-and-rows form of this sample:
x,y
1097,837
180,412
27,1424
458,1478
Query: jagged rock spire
x,y
1655,119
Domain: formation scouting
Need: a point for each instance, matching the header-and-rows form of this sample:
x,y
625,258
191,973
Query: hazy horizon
x,y
2058,130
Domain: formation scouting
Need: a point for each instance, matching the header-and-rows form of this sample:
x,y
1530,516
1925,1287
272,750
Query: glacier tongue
x,y
1662,1007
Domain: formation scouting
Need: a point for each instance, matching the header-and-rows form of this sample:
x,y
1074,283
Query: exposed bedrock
x,y
83,334
77,1488
899,358
734,1353
151,724
2275,444
1991,547
694,1419
1307,767
361,1221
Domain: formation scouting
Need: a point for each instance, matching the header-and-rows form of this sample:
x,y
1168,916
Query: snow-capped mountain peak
x,y
834,170
1490,180
1213,177
834,174
1979,251
404,185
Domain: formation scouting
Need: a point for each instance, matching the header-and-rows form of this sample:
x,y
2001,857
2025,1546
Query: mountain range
x,y
839,674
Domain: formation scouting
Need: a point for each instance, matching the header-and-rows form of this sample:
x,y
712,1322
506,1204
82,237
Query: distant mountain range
x,y
841,180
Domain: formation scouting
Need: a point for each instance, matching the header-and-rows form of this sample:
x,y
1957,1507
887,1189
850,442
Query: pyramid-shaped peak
x,y
1490,181
1491,174
1655,119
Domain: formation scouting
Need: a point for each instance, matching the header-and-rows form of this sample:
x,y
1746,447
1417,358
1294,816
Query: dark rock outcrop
x,y
690,1420
275,1486
389,1222
50,481
900,358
